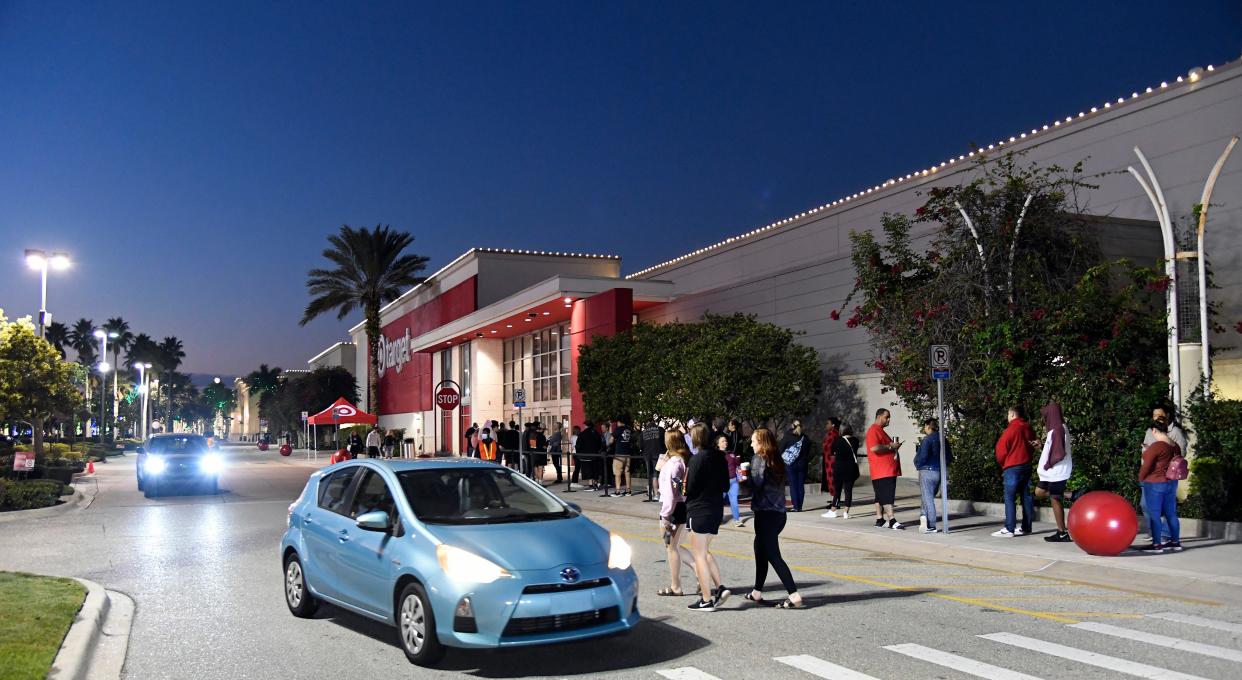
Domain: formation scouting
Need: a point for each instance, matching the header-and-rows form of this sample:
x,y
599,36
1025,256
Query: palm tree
x,y
370,271
57,333
264,382
82,340
171,352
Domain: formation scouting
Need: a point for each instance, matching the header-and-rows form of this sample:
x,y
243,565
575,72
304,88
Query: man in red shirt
x,y
1014,452
885,468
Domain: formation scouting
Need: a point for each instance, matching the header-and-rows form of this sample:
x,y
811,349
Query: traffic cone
x,y
90,467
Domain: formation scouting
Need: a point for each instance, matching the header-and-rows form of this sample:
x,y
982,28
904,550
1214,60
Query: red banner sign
x,y
23,461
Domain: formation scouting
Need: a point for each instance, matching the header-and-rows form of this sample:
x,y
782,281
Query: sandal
x,y
754,600
789,604
669,592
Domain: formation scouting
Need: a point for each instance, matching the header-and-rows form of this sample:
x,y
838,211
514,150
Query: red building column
x,y
602,314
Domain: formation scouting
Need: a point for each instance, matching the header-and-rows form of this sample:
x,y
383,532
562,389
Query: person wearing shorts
x,y
885,467
1054,468
707,481
673,515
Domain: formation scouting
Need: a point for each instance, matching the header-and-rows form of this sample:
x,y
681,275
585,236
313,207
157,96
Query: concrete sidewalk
x,y
1209,569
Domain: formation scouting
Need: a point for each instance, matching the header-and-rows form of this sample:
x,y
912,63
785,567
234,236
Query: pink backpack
x,y
1179,469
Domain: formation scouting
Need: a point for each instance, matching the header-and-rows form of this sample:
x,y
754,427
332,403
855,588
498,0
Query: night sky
x,y
192,159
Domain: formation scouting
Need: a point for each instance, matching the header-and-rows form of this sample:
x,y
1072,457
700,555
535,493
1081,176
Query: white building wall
x,y
487,374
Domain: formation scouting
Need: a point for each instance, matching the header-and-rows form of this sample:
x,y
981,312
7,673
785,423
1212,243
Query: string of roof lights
x,y
1193,76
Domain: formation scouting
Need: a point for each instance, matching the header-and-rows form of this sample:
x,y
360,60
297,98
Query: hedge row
x,y
29,494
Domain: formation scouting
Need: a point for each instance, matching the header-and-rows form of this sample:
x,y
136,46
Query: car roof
x,y
425,463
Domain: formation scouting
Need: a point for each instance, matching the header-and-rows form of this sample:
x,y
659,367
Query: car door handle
x,y
343,536
307,519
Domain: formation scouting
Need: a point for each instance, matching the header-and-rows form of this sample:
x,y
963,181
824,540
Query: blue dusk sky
x,y
192,157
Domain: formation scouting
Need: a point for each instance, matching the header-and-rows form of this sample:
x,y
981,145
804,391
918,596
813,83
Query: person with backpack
x,y
767,502
1163,465
844,473
796,451
653,447
1163,411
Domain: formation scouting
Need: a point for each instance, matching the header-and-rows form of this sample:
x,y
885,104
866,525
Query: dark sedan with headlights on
x,y
178,460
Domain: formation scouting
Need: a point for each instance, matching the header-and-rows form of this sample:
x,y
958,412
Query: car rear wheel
x,y
417,627
301,603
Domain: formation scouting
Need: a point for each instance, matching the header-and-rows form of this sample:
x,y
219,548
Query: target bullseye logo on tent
x,y
344,411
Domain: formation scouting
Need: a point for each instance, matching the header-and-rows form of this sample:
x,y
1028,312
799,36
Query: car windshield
x,y
478,495
177,444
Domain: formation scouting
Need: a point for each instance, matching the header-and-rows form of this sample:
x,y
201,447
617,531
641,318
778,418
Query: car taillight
x,y
289,517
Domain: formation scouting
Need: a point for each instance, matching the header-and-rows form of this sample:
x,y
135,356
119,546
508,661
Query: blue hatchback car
x,y
454,553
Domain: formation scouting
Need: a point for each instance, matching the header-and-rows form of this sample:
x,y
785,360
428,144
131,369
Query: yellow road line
x,y
1101,615
1062,598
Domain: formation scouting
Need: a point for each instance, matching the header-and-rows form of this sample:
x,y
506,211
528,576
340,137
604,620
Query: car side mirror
x,y
575,507
374,521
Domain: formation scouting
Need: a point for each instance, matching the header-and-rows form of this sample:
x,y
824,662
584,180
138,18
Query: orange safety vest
x,y
487,449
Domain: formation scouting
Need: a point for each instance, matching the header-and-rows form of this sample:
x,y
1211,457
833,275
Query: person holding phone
x,y
885,465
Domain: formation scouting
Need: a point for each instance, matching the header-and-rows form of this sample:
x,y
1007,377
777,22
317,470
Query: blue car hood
x,y
524,546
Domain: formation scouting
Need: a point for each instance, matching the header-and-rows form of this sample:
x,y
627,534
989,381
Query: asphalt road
x,y
205,574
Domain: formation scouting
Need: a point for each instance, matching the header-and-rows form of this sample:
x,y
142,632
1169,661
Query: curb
x,y
77,500
100,629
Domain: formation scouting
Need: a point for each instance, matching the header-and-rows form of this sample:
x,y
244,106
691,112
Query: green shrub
x,y
27,495
56,450
1216,469
67,490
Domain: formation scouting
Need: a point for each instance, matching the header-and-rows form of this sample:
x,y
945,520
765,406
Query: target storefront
x,y
456,349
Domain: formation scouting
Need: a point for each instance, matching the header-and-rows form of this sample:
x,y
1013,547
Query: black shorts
x,y
679,514
1053,488
511,458
538,459
705,522
885,490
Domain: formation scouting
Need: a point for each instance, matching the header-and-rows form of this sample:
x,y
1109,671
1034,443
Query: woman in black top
x,y
707,480
844,472
767,500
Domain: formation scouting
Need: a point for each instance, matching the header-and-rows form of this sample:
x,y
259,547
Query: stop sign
x,y
448,398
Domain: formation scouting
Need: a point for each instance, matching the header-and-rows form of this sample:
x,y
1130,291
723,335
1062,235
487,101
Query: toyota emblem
x,y
570,574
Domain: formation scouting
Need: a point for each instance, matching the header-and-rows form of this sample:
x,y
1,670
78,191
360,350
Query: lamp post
x,y
144,388
41,261
104,367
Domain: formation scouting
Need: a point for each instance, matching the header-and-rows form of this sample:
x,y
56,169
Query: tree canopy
x,y
35,382
729,365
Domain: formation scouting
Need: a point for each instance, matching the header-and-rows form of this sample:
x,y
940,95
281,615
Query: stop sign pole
x,y
447,396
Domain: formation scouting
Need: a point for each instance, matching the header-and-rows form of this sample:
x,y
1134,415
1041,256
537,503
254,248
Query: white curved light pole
x,y
1204,201
40,261
1156,196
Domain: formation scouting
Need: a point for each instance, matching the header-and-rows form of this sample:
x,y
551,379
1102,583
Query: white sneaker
x,y
829,514
1004,533
923,523
845,515
930,530
1019,532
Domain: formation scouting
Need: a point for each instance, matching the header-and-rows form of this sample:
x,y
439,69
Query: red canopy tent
x,y
340,413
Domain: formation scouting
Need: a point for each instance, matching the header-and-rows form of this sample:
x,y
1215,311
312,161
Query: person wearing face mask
x,y
1165,413
796,451
488,447
1160,492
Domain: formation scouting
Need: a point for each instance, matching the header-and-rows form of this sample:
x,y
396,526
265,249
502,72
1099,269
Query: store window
x,y
464,379
538,362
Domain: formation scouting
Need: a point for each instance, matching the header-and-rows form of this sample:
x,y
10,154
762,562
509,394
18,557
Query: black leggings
x,y
768,527
838,487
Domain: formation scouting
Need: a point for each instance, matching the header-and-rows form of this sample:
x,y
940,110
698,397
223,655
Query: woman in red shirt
x,y
1160,492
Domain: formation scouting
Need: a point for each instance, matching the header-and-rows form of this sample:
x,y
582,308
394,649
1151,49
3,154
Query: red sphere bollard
x,y
262,446
340,456
286,450
1103,523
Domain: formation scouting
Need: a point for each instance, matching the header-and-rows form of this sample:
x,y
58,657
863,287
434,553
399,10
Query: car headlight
x,y
154,465
619,552
467,566
212,463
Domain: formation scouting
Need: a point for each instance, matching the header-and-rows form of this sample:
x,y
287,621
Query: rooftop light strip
x,y
1194,76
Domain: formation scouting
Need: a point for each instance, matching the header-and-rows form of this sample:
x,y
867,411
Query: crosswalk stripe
x,y
959,663
686,673
824,669
1161,640
1112,663
1198,621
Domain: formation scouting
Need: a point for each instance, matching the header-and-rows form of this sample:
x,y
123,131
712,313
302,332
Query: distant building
x,y
342,354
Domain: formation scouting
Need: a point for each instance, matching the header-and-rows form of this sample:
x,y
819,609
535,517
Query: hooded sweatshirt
x,y
1056,462
1014,446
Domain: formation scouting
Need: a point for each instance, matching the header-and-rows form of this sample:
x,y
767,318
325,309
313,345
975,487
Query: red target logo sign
x,y
448,398
344,411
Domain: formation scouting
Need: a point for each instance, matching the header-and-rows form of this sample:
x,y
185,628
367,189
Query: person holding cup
x,y
673,509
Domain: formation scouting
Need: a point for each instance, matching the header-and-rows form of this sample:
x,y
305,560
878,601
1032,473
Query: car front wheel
x,y
301,603
417,627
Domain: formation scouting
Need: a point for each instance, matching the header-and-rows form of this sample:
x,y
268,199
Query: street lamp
x,y
41,261
143,388
104,367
